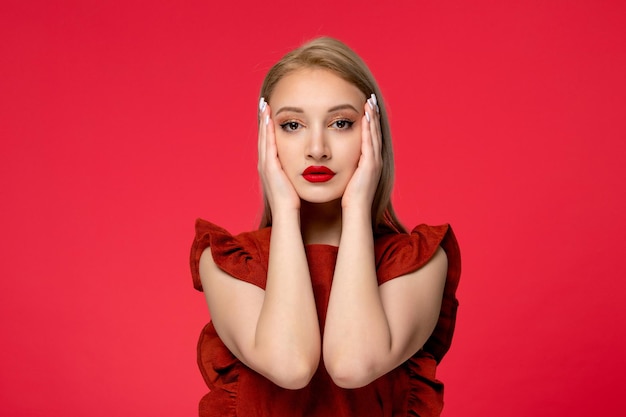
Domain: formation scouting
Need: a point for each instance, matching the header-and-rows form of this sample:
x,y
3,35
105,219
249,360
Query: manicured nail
x,y
375,100
369,101
367,116
262,104
267,119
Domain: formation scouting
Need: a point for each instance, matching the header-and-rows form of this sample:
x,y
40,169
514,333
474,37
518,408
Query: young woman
x,y
331,308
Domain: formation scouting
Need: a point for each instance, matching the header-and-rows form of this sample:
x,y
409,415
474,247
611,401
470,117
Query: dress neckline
x,y
320,245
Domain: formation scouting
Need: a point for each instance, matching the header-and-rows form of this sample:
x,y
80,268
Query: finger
x,y
369,129
270,137
366,133
375,129
260,142
262,146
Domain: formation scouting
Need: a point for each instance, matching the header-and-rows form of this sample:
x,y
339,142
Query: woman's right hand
x,y
278,190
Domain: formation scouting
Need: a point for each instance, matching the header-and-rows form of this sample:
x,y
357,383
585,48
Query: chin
x,y
320,200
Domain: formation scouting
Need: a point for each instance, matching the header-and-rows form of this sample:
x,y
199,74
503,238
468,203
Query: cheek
x,y
354,152
285,152
281,146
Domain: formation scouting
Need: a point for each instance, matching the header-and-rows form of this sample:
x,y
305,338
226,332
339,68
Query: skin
x,y
317,118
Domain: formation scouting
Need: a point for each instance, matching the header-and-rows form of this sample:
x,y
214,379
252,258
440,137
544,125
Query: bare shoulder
x,y
413,304
207,265
439,262
433,271
233,304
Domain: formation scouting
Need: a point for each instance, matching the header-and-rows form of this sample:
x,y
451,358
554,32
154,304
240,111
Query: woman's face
x,y
317,118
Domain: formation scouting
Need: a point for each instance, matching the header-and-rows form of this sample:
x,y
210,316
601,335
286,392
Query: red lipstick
x,y
318,174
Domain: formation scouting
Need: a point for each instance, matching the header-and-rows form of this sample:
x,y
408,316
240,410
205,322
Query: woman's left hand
x,y
361,189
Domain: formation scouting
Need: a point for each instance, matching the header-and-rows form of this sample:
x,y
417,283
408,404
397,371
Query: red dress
x,y
409,390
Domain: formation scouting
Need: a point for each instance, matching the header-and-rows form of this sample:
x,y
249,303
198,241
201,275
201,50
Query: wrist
x,y
357,214
285,215
356,202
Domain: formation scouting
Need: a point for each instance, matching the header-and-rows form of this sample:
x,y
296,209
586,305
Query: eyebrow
x,y
292,109
332,109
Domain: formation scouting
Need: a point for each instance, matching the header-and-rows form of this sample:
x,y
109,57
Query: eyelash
x,y
292,125
287,126
348,124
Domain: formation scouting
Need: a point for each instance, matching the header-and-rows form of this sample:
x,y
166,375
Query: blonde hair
x,y
333,55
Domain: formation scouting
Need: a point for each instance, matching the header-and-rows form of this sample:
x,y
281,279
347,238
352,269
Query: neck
x,y
321,223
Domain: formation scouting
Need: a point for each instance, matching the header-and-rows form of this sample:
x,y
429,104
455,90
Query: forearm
x,y
288,328
357,334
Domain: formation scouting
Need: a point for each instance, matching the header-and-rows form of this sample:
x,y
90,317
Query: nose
x,y
317,146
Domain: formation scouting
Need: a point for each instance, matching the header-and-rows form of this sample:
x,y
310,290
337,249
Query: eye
x,y
290,126
342,124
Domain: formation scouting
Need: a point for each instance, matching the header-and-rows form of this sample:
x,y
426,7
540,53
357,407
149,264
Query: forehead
x,y
314,85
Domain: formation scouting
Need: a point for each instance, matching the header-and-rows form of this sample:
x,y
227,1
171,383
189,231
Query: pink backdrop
x,y
123,121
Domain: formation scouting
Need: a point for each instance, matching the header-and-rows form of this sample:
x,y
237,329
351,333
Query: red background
x,y
123,121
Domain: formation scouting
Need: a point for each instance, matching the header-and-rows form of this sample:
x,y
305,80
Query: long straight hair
x,y
335,56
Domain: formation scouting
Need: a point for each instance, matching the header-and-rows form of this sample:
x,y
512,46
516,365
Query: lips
x,y
318,174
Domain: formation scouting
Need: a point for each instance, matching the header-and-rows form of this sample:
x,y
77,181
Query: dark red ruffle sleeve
x,y
243,256
410,389
398,255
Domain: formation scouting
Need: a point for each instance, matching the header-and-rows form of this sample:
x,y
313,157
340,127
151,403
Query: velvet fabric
x,y
411,389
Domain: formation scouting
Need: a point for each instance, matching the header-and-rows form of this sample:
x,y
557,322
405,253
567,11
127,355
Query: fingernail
x,y
262,104
369,101
267,119
375,100
367,116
